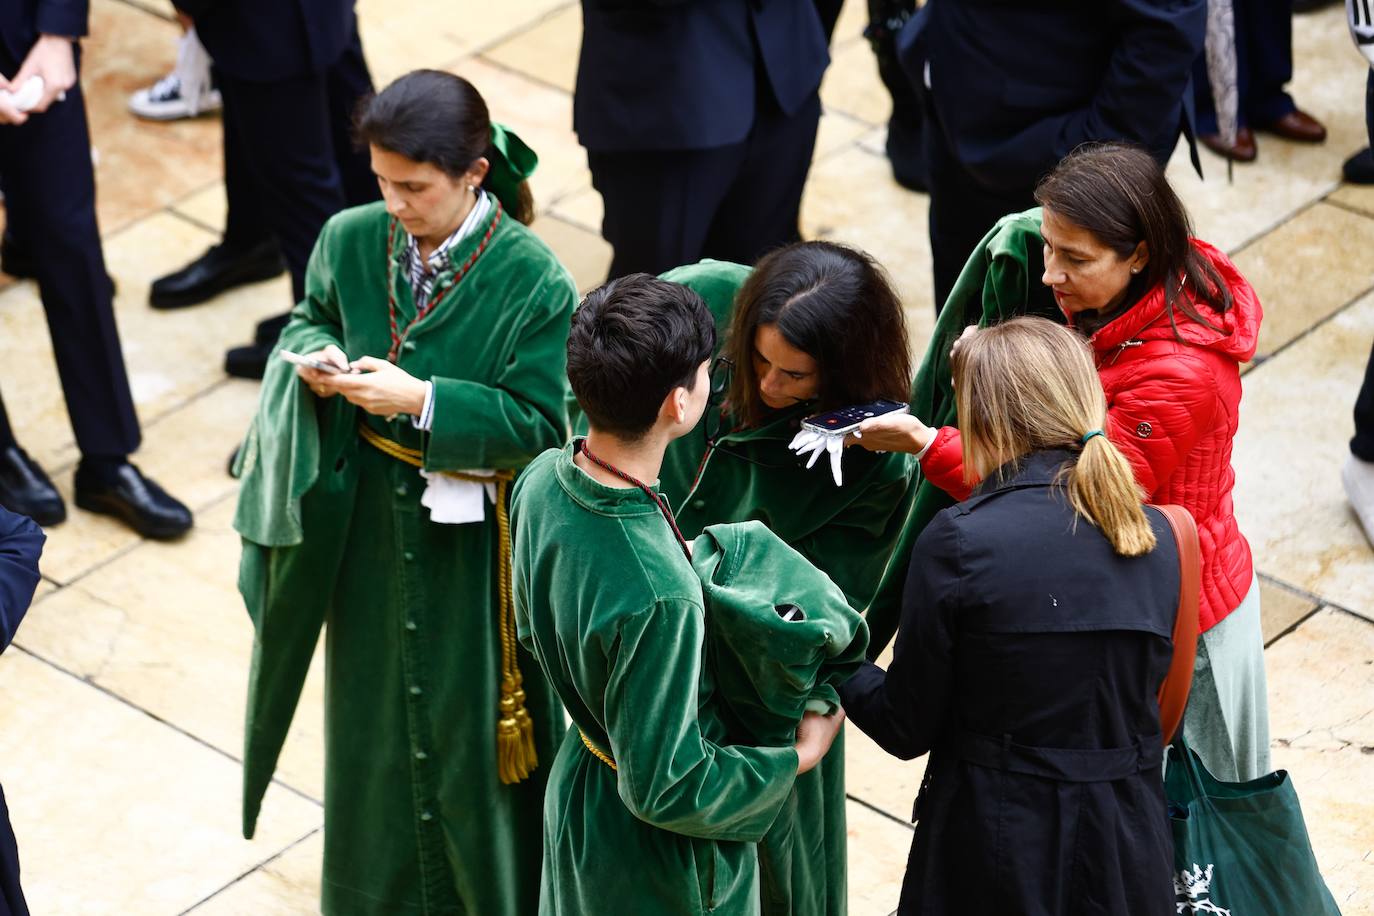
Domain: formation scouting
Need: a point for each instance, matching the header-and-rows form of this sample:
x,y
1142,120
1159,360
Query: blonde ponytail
x,y
1029,384
1102,488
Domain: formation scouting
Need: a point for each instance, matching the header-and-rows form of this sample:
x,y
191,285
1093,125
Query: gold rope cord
x,y
515,752
597,752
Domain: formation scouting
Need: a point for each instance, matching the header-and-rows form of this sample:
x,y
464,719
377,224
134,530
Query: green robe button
x,y
415,691
410,625
426,816
410,556
698,504
408,345
421,755
401,490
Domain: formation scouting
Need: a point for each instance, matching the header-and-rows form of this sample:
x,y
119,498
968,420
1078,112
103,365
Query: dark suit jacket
x,y
1018,85
22,21
668,74
269,40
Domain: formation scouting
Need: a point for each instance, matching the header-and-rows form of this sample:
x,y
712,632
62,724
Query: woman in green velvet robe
x,y
367,506
813,327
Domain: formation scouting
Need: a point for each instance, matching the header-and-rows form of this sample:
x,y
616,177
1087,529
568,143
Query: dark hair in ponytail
x,y
438,118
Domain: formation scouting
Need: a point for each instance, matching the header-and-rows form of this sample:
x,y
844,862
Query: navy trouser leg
x,y
50,187
1268,40
284,130
348,82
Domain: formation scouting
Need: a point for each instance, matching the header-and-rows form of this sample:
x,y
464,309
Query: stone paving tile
x,y
586,255
286,886
1280,608
547,51
1332,246
852,85
1354,196
207,207
878,849
164,628
1295,425
875,777
142,166
1321,679
114,811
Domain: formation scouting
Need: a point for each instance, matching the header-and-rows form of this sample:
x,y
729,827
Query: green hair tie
x,y
1088,435
512,162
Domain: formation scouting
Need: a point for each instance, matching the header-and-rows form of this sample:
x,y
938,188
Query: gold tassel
x,y
515,753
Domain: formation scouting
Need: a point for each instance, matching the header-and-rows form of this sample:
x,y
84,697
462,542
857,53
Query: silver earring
x,y
1135,270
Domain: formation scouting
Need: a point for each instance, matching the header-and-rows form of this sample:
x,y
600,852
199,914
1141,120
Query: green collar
x,y
595,496
780,424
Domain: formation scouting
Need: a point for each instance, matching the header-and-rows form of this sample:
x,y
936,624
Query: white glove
x,y
813,443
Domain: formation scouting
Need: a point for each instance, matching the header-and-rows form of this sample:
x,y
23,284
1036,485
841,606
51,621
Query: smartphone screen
x,y
847,419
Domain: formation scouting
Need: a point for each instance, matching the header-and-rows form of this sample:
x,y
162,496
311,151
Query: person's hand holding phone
x,y
892,432
379,387
318,379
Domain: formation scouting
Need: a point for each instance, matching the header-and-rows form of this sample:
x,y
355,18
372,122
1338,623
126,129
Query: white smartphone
x,y
847,419
298,360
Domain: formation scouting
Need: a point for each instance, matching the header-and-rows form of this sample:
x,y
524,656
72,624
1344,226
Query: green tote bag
x,y
1240,848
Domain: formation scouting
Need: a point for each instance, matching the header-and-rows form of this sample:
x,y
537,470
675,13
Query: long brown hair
x,y
835,304
1119,193
1029,384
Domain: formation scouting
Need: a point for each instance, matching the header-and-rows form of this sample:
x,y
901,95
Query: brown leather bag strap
x,y
1173,693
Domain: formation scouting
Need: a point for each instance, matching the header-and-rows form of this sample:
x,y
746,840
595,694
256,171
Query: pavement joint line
x,y
173,209
1264,359
125,701
1349,208
522,29
1292,627
254,870
516,71
1282,221
1313,597
880,811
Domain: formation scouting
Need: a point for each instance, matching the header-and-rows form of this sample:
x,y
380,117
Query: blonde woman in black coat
x,y
1035,632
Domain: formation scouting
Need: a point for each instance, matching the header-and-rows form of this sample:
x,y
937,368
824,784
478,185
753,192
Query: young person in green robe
x,y
649,811
813,327
374,501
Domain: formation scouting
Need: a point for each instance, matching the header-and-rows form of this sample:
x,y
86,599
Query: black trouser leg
x,y
51,196
961,210
762,207
1268,42
245,223
659,204
284,130
349,82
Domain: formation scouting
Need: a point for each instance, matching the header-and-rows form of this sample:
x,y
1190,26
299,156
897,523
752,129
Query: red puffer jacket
x,y
1172,410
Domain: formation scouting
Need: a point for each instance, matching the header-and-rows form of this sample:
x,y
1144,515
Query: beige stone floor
x,y
121,701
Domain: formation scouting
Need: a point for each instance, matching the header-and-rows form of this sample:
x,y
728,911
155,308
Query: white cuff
x,y
426,418
922,453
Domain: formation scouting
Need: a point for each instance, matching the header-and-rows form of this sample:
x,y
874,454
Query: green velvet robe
x,y
1000,280
847,532
416,819
613,610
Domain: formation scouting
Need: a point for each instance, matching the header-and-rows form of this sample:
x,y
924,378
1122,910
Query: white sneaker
x,y
1358,477
186,92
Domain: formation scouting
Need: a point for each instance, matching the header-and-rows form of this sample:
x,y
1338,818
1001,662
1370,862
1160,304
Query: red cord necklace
x,y
399,336
658,500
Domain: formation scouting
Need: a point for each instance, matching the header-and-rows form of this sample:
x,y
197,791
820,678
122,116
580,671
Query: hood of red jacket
x,y
1236,334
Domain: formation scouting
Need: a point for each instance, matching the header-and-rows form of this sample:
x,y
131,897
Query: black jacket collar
x,y
1037,469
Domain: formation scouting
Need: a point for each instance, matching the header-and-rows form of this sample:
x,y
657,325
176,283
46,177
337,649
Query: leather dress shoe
x,y
1243,150
25,489
121,491
1359,168
1299,126
251,361
219,269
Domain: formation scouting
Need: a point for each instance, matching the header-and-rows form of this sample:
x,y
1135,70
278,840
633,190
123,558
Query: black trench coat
x,y
1027,663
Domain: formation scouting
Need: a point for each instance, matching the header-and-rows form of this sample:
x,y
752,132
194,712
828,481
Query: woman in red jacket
x,y
1170,321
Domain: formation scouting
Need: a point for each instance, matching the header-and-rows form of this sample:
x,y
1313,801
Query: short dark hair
x,y
836,305
632,341
433,117
1119,194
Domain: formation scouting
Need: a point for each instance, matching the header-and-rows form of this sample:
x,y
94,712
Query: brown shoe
x,y
1243,150
1299,126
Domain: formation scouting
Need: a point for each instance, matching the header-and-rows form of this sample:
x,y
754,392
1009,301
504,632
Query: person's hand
x,y
893,432
51,57
815,734
315,378
379,387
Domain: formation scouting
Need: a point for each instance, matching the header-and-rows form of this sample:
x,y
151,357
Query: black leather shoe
x,y
212,273
1359,168
123,492
247,362
269,329
25,489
